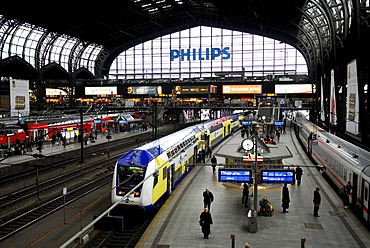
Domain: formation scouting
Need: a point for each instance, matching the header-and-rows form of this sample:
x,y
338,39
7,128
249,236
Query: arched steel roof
x,y
79,34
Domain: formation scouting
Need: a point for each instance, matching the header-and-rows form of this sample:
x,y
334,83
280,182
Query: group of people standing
x,y
286,199
203,154
344,194
208,197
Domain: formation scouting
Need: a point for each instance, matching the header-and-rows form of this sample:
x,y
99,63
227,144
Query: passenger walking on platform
x,y
64,140
208,152
278,134
214,163
245,194
284,132
206,222
201,156
298,175
207,199
138,142
316,202
39,144
53,139
285,198
347,192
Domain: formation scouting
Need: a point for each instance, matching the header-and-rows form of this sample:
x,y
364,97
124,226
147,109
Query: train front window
x,y
128,178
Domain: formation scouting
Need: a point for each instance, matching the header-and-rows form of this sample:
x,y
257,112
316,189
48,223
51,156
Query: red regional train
x,y
47,127
9,135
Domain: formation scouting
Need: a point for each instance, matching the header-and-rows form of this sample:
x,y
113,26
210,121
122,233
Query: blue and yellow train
x,y
147,175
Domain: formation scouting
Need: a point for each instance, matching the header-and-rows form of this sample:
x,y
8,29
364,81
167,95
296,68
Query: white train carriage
x,y
342,160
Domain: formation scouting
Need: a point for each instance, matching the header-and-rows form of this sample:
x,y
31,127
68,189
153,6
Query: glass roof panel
x,y
337,10
238,51
23,39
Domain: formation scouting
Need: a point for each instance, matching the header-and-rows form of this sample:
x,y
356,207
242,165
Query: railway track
x,y
50,184
63,161
96,165
128,238
34,194
24,220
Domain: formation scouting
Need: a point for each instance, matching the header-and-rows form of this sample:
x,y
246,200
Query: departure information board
x,y
277,176
279,123
234,175
247,123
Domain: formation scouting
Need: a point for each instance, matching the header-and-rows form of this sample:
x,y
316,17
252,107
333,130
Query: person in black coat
x,y
245,194
214,163
207,199
316,202
285,198
206,222
298,175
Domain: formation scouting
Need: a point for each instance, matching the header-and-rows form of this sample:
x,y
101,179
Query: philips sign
x,y
200,54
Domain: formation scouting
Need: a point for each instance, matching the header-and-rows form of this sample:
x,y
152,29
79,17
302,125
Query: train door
x,y
353,198
206,140
170,171
365,195
195,157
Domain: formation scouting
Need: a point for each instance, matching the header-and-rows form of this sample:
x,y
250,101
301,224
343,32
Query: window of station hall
x,y
203,52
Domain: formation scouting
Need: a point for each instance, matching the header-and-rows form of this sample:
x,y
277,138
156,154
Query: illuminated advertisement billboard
x,y
55,92
19,98
235,175
191,90
210,53
242,89
293,88
277,176
145,90
97,91
353,103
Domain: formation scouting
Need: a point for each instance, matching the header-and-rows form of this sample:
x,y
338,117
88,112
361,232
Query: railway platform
x,y
177,223
49,150
14,163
